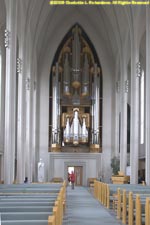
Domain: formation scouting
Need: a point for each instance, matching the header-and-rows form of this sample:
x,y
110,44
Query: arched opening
x,y
75,97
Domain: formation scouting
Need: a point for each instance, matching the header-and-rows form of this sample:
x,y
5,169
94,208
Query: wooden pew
x,y
90,181
25,215
20,204
51,220
147,211
130,206
112,191
25,222
28,204
25,208
57,180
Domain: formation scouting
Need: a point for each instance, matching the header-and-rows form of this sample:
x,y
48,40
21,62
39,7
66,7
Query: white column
x,y
147,98
117,107
10,93
29,131
123,131
35,157
134,134
21,118
2,94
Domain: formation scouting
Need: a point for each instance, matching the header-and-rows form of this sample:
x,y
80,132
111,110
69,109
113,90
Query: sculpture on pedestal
x,y
41,171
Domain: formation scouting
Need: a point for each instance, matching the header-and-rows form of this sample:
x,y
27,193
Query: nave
x,y
83,209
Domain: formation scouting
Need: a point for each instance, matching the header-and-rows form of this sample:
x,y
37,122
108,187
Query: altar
x,y
120,179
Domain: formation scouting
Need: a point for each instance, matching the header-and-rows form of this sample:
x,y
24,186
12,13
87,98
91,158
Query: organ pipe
x,y
84,131
76,60
66,80
55,107
85,77
96,107
67,131
58,108
76,128
92,115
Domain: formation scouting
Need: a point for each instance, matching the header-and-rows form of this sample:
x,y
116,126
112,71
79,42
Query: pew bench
x,y
27,199
127,209
31,204
31,185
131,207
25,215
57,180
10,204
139,209
28,190
111,196
26,209
24,222
90,181
28,195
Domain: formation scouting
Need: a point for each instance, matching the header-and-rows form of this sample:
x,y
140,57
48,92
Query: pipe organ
x,y
76,124
75,84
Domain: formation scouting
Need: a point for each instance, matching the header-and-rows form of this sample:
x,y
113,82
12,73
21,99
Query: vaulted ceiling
x,y
108,26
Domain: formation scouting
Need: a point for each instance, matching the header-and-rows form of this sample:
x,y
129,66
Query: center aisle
x,y
83,209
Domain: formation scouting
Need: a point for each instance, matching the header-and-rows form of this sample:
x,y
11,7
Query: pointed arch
x,y
75,106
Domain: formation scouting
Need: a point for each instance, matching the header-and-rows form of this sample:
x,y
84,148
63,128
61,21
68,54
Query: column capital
x,y
118,86
19,65
28,83
138,69
7,38
126,86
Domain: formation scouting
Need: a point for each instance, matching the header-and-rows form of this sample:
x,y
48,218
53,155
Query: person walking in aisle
x,y
72,179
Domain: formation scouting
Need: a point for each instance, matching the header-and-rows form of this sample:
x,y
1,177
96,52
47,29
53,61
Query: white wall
x,y
59,162
43,78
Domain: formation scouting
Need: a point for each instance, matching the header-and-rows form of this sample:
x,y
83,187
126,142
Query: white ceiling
x,y
108,26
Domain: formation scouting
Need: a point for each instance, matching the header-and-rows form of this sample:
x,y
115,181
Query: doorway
x,y
78,171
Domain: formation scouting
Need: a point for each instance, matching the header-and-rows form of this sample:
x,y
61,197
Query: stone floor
x,y
83,209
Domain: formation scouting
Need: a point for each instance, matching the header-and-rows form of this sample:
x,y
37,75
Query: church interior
x,y
74,91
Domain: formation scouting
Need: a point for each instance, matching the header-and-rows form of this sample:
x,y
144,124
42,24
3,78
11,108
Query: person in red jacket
x,y
72,179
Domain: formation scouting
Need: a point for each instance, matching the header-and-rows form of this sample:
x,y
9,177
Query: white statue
x,y
41,171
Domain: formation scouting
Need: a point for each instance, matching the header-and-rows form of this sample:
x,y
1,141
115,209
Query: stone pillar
x,y
28,145
2,94
147,99
134,134
10,91
20,117
117,108
35,155
123,109
96,106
